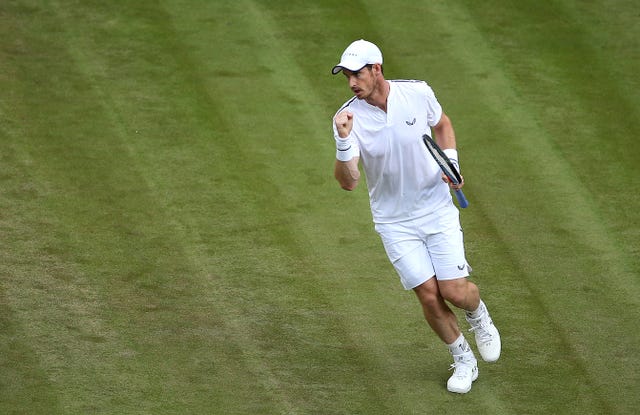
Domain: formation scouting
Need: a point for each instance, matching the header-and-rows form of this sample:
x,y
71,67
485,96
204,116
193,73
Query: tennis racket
x,y
447,167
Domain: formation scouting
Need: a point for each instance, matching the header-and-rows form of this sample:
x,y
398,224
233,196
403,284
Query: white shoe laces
x,y
482,334
461,369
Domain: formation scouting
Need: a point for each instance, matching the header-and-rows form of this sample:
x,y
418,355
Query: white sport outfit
x,y
411,206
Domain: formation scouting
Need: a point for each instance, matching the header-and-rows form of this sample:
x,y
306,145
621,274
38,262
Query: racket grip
x,y
462,201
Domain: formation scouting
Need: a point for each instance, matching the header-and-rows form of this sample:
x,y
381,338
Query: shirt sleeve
x,y
434,110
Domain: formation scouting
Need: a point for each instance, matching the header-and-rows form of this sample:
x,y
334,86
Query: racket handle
x,y
462,201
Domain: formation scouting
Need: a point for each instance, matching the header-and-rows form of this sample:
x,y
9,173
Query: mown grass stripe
x,y
35,280
159,19
25,380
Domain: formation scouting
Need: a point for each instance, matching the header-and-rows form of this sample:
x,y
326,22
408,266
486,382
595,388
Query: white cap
x,y
357,55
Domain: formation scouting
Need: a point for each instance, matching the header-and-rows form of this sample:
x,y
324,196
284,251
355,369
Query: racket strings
x,y
442,161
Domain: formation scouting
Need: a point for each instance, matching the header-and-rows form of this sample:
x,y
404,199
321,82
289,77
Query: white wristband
x,y
343,144
452,153
346,148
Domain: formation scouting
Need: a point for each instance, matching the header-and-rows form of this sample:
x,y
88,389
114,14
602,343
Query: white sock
x,y
477,312
460,346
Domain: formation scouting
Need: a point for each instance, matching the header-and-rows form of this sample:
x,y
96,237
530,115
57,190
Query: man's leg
x,y
444,322
464,294
437,313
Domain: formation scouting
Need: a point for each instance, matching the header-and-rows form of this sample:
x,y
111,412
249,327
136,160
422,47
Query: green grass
x,y
173,241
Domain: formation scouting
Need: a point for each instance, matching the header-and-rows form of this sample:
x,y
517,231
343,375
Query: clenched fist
x,y
344,123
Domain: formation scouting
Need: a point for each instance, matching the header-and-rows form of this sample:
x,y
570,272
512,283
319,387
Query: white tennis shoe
x,y
465,371
487,337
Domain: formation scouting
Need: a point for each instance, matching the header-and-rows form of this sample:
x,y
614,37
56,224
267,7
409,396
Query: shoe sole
x,y
490,359
461,391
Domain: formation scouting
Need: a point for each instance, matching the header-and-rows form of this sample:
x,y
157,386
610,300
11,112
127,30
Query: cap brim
x,y
339,67
336,69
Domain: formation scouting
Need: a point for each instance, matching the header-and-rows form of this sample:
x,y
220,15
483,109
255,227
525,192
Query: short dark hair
x,y
370,65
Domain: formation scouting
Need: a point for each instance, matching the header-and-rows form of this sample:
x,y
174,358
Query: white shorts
x,y
422,248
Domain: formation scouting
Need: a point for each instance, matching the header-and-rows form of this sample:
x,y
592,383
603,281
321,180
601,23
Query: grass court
x,y
172,240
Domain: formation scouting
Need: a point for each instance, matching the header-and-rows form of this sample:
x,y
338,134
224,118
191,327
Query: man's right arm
x,y
346,169
347,173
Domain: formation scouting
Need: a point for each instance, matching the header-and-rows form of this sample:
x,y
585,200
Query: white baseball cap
x,y
357,55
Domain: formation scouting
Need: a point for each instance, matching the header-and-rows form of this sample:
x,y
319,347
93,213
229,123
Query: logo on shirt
x,y
411,122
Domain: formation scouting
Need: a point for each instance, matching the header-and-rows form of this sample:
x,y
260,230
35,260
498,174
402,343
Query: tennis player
x,y
413,212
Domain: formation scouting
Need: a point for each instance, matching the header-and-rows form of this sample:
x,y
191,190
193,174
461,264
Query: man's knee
x,y
428,294
458,292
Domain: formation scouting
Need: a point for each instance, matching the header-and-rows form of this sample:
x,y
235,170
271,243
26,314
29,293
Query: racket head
x,y
443,161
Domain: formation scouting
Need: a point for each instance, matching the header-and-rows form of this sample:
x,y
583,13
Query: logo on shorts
x,y
461,267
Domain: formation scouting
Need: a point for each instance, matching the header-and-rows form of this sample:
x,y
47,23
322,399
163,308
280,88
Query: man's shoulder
x,y
410,84
411,88
347,104
407,81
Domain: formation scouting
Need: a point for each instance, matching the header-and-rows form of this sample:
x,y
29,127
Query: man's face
x,y
362,82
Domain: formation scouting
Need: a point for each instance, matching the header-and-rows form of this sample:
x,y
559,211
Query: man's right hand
x,y
344,123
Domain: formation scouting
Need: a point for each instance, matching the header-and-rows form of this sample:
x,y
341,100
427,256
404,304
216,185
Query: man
x,y
413,212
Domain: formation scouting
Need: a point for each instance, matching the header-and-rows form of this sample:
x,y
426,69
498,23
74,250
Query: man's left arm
x,y
445,137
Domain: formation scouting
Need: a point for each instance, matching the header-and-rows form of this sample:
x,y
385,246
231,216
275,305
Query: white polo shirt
x,y
404,181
